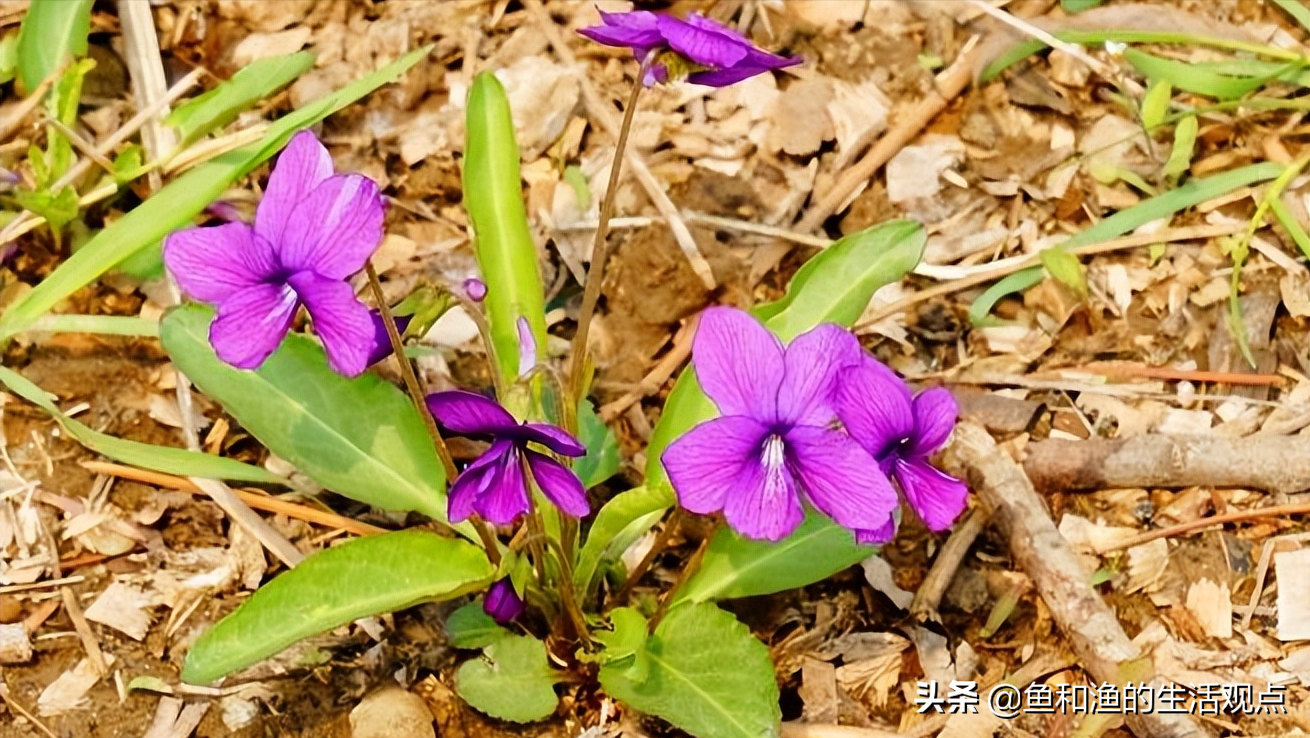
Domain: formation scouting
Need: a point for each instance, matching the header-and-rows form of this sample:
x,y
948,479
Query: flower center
x,y
772,456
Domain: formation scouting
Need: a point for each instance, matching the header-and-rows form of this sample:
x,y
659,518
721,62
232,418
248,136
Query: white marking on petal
x,y
773,457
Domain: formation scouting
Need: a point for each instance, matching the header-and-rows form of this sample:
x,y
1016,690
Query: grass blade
x,y
224,103
52,31
147,456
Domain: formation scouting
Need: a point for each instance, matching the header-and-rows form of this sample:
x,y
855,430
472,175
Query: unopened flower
x,y
502,603
476,289
312,231
902,432
527,347
496,485
697,48
774,445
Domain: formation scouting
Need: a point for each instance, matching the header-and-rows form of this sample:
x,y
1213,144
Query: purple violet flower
x,y
774,445
902,432
312,231
706,52
502,603
380,348
496,484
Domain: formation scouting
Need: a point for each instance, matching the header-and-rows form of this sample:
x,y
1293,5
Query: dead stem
x,y
599,247
688,571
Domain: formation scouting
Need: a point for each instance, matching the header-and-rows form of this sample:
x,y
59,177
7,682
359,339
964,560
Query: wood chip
x,y
122,608
68,692
1293,571
15,648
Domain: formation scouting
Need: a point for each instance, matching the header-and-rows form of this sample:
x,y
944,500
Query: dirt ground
x,y
1143,351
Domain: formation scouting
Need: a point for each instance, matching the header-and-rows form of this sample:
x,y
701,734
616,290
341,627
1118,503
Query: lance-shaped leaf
x,y
359,437
703,672
248,86
364,577
52,32
502,242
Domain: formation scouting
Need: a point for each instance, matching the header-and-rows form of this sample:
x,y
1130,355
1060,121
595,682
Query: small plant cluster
x,y
796,449
796,444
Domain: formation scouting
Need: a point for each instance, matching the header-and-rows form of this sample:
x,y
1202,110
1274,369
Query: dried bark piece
x,y
1103,648
1275,464
15,648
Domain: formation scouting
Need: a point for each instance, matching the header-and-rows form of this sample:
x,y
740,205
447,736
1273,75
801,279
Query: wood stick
x,y
256,501
1104,650
1261,461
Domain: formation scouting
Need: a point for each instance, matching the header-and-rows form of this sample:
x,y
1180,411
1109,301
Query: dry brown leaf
x,y
1210,602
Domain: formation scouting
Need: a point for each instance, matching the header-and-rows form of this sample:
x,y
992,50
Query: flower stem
x,y
599,247
661,543
688,571
416,394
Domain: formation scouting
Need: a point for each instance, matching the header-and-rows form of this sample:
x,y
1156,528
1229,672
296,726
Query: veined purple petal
x,y
877,536
704,463
703,41
212,263
813,361
251,323
502,603
559,484
470,413
874,405
301,166
739,363
335,229
765,503
637,30
341,321
842,480
733,75
556,439
381,346
938,498
506,495
472,483
935,413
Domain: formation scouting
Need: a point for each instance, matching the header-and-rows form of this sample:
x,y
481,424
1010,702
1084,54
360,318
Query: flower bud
x,y
502,603
476,289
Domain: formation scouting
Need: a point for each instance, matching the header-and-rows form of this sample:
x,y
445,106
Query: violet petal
x,y
336,228
251,323
813,362
556,439
473,481
341,321
212,263
637,30
738,362
842,480
301,166
506,494
874,405
735,74
935,413
765,503
704,463
938,498
559,484
380,348
703,41
877,536
470,413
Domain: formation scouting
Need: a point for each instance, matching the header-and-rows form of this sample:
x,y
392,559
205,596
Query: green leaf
x,y
8,56
706,675
363,577
1066,269
1191,78
511,681
221,105
1180,157
159,458
58,209
502,242
174,205
620,522
359,437
1155,104
53,31
834,286
602,460
471,627
1078,6
129,164
737,567
980,310
1299,12
628,636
